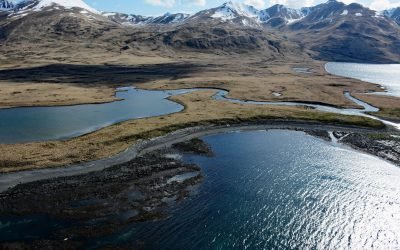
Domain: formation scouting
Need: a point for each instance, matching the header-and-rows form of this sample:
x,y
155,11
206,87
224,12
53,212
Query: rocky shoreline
x,y
105,202
142,189
383,145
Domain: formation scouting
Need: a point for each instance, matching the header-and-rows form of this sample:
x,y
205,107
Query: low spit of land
x,y
200,109
76,82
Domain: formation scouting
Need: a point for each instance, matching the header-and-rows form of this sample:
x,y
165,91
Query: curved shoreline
x,y
360,108
10,180
365,109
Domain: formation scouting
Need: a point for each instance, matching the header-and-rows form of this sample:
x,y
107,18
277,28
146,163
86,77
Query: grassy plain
x,y
82,79
200,109
59,79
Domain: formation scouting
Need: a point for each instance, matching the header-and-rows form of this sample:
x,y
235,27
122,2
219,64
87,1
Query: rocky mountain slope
x,y
328,31
40,27
393,14
131,19
6,5
340,32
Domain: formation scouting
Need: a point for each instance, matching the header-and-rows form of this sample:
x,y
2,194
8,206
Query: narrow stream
x,y
222,95
30,124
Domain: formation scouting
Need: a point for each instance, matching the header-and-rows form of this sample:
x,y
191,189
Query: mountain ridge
x,y
329,31
6,5
229,12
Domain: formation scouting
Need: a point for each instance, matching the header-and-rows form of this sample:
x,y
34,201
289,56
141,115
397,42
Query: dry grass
x,y
258,81
49,93
44,94
200,109
389,105
249,78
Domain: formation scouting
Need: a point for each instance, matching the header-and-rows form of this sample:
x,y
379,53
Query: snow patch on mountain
x,y
38,5
131,19
6,5
393,14
231,10
64,3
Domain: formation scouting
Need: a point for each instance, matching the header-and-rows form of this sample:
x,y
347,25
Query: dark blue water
x,y
265,190
48,123
14,228
280,190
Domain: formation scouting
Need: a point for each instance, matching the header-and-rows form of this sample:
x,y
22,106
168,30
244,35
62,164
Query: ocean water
x,y
279,189
387,75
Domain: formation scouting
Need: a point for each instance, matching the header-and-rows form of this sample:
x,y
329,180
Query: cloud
x,y
195,2
293,3
172,3
164,3
256,3
383,5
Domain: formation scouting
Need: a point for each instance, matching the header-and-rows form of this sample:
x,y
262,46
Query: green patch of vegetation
x,y
383,137
392,114
323,118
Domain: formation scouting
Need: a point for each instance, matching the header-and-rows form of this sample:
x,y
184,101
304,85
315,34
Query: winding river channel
x,y
29,124
262,189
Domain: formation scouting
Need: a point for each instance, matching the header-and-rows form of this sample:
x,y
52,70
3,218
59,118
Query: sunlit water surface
x,y
280,189
387,75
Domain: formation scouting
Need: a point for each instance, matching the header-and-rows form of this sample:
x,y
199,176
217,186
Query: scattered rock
x,y
106,201
382,145
194,146
323,134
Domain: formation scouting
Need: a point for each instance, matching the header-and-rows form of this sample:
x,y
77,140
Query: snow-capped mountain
x,y
37,5
170,18
279,15
122,18
393,14
281,11
325,10
231,10
328,31
167,18
6,5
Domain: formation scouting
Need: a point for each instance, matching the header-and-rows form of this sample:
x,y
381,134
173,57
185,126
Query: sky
x,y
159,7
